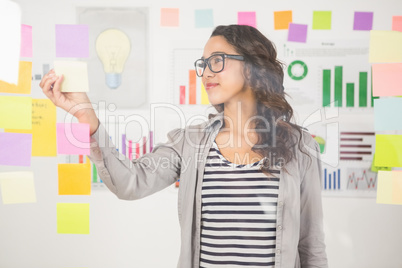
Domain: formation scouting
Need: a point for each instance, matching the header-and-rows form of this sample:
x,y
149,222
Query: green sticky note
x,y
72,218
388,151
376,169
322,20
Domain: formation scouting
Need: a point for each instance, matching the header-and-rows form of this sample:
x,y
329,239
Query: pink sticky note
x,y
397,23
170,17
26,41
363,21
16,149
387,79
72,41
297,32
73,138
247,18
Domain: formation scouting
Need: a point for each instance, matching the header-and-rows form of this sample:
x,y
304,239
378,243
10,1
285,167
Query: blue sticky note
x,y
204,18
386,112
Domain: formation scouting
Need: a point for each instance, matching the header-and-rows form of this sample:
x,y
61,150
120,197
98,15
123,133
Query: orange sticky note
x,y
24,80
75,179
397,23
282,19
170,17
387,79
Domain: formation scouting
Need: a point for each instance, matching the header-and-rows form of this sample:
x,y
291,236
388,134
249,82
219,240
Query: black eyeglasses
x,y
216,63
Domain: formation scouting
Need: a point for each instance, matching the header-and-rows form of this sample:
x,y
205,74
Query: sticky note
x,y
204,18
15,112
389,188
387,79
247,18
75,179
10,35
282,19
73,138
26,41
72,218
363,21
43,128
397,23
297,33
15,149
72,41
24,83
385,112
17,187
170,17
375,168
388,150
385,46
322,20
75,75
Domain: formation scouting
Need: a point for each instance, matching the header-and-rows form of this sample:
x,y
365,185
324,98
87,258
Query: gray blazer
x,y
299,236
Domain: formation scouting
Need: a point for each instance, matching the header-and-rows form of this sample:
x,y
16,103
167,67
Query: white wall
x,y
145,233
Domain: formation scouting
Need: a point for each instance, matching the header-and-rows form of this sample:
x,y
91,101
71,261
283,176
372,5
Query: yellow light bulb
x,y
113,48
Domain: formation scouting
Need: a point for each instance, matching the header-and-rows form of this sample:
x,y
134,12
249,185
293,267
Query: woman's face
x,y
227,85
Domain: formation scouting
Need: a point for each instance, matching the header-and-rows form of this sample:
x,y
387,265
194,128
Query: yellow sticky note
x,y
397,187
388,151
17,187
72,218
15,112
170,17
282,19
204,95
75,75
75,179
43,128
322,20
24,80
385,46
384,187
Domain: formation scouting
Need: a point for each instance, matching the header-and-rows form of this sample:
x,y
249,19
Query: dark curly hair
x,y
264,75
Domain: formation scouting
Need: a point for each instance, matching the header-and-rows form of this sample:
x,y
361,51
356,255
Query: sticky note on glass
x,y
247,18
72,218
15,149
363,21
24,83
387,79
26,41
43,128
75,75
397,23
322,20
73,138
297,33
389,187
388,151
385,46
75,179
170,17
10,32
204,18
385,112
72,41
15,112
17,187
282,19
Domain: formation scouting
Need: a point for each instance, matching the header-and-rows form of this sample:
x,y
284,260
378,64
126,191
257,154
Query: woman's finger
x,y
57,87
45,77
47,87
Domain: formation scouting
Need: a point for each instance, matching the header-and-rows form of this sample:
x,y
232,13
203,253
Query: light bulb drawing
x,y
113,48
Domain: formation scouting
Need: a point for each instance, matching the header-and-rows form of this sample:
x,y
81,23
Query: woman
x,y
250,193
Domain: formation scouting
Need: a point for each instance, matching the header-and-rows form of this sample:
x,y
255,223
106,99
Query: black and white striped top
x,y
238,223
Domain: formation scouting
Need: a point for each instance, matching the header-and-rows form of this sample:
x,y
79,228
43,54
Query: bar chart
x,y
346,94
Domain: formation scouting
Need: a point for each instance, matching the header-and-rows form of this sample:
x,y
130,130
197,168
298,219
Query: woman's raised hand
x,y
75,103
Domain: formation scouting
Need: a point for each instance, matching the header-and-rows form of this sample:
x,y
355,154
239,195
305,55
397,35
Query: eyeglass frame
x,y
223,55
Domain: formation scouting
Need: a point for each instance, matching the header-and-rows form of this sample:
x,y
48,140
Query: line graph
x,y
361,179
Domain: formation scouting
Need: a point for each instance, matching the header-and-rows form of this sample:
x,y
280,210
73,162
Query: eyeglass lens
x,y
215,64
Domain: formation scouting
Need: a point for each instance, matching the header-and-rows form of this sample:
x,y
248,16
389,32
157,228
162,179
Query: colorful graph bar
x,y
363,89
192,87
94,173
350,94
338,85
182,94
326,87
332,181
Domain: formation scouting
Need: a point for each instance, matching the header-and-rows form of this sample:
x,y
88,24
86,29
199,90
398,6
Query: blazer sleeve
x,y
135,179
311,242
